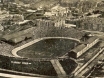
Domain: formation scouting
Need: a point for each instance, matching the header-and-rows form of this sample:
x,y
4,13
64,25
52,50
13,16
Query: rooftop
x,y
78,48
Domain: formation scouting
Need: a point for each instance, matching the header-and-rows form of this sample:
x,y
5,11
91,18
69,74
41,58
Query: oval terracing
x,y
54,43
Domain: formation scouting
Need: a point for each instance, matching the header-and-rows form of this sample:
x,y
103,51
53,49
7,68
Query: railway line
x,y
85,67
86,71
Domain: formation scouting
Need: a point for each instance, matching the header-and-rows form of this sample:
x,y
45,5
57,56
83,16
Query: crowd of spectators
x,y
47,29
39,32
68,65
5,49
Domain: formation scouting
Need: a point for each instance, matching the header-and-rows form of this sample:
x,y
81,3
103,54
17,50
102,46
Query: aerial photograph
x,y
51,38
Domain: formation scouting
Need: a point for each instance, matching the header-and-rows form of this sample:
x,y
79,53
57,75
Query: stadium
x,y
40,55
43,51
